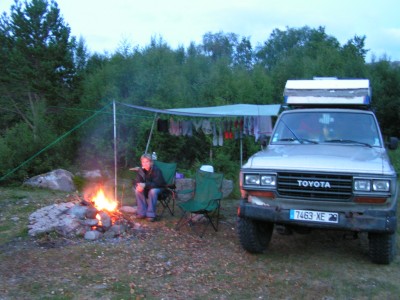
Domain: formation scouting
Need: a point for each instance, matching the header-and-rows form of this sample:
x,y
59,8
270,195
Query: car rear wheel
x,y
254,235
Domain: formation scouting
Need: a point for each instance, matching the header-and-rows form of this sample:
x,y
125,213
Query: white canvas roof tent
x,y
352,92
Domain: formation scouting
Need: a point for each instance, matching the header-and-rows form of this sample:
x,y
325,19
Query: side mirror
x,y
393,143
264,141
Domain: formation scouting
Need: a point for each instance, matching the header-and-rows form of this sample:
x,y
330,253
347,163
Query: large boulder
x,y
56,180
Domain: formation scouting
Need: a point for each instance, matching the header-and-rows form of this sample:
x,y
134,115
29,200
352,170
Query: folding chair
x,y
205,201
168,195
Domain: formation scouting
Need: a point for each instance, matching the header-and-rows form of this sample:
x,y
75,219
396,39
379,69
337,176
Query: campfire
x,y
101,202
93,216
102,208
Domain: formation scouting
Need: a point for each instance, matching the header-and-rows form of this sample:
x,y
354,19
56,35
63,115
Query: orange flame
x,y
99,218
101,202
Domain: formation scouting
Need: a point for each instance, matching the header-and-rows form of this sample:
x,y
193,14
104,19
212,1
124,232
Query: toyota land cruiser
x,y
325,167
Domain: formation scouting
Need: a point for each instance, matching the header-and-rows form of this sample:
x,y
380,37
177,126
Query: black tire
x,y
382,247
254,236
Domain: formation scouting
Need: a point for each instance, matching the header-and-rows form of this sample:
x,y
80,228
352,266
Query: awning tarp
x,y
235,110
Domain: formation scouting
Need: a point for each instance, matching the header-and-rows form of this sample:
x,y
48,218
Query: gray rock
x,y
89,222
114,231
128,209
78,210
91,212
105,220
92,235
55,180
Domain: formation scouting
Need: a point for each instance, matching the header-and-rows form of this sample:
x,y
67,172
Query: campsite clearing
x,y
161,263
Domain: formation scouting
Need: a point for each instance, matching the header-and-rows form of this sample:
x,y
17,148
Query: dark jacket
x,y
153,178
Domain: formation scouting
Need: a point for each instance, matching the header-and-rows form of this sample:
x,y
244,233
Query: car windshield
x,y
327,127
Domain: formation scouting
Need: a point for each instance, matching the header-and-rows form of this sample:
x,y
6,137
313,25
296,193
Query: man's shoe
x,y
149,219
140,217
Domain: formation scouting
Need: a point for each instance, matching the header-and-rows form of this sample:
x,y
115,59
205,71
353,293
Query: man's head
x,y
146,161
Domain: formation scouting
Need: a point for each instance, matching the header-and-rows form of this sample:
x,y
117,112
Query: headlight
x,y
269,180
257,179
362,185
252,179
380,185
369,185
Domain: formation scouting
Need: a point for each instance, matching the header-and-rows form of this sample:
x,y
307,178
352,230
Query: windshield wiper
x,y
348,142
300,140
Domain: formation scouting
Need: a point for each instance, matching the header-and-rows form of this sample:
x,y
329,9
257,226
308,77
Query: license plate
x,y
314,216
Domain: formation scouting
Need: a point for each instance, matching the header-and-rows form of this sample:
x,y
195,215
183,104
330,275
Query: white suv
x,y
325,166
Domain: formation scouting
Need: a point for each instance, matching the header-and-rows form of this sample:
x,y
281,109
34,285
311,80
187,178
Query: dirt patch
x,y
159,262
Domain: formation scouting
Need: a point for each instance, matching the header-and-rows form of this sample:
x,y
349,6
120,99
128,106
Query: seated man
x,y
148,184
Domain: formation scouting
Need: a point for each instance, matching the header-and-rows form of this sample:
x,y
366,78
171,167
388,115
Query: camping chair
x,y
167,196
205,201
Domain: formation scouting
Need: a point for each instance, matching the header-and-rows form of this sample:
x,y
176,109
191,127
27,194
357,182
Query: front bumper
x,y
369,221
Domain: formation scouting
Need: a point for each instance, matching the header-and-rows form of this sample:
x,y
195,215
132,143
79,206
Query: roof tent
x,y
352,92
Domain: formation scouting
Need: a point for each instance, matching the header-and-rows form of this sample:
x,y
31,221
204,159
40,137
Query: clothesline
x,y
222,129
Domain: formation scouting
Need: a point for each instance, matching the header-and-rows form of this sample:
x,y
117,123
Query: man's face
x,y
146,164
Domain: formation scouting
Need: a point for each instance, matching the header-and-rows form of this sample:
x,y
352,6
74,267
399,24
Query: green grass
x,y
395,158
317,266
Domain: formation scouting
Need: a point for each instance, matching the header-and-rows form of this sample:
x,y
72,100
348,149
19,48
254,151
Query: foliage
x,y
55,84
395,158
37,73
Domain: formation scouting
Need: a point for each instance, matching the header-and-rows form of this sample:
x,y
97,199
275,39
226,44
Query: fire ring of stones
x,y
80,218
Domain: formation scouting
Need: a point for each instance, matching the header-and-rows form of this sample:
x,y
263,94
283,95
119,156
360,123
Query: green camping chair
x,y
168,195
205,201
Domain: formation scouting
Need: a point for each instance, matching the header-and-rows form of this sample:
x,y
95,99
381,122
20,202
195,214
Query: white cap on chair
x,y
207,168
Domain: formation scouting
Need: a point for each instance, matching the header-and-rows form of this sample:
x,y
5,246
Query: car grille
x,y
314,186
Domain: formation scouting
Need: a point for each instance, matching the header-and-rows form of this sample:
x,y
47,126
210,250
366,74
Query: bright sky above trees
x,y
106,24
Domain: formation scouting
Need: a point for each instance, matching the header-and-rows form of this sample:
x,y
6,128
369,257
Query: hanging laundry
x,y
162,125
230,129
221,135
187,128
215,135
174,127
206,127
226,125
264,127
197,124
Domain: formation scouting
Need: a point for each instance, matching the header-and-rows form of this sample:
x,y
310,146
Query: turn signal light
x,y
372,200
265,194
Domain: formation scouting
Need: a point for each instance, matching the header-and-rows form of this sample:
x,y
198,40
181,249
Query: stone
x,y
78,210
128,209
91,212
105,220
92,235
115,231
55,180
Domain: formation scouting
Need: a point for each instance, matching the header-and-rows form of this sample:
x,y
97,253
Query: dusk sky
x,y
106,24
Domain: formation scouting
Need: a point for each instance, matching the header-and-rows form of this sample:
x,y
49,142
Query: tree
x,y
37,56
39,67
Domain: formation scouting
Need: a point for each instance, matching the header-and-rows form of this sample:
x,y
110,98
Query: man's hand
x,y
140,187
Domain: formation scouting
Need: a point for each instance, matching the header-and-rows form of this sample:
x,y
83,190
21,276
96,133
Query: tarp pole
x,y
241,151
115,152
151,133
